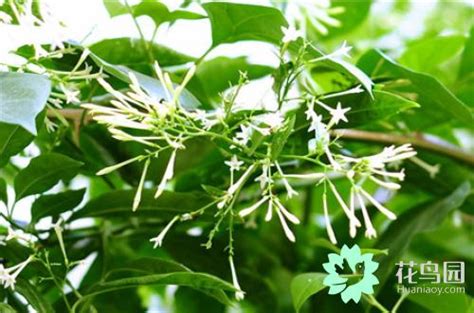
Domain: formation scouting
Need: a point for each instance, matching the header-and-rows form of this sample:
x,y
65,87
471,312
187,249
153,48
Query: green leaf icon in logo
x,y
350,273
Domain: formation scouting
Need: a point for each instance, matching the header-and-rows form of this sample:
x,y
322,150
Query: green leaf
x,y
187,300
13,139
221,73
430,53
442,303
44,172
22,98
132,52
53,205
115,7
366,110
119,204
355,12
3,191
304,286
199,281
429,88
231,22
467,66
399,234
33,296
160,13
5,308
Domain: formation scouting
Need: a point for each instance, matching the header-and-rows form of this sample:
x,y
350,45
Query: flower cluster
x,y
162,122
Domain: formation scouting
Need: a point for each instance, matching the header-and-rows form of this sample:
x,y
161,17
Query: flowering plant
x,y
147,167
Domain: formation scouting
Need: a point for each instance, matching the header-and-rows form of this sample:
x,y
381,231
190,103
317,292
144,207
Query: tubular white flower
x,y
389,214
290,191
352,226
310,176
398,175
232,189
336,166
169,172
292,218
239,295
269,214
357,89
112,168
138,194
253,207
369,228
352,218
158,240
385,184
288,233
330,231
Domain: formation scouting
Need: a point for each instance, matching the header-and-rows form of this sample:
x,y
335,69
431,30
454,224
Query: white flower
x,y
343,51
239,294
253,207
265,178
8,275
234,163
290,191
288,233
168,175
357,89
369,228
349,214
274,120
138,194
158,240
338,114
290,34
378,205
330,231
243,137
385,184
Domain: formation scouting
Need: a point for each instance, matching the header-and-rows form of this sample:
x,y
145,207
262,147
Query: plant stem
x,y
371,299
441,148
399,302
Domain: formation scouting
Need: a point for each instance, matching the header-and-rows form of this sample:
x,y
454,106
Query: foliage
x,y
132,172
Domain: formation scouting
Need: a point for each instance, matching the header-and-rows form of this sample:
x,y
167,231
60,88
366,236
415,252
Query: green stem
x,y
371,299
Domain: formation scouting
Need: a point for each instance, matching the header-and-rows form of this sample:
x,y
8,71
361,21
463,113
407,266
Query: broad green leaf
x,y
53,205
149,265
119,204
429,89
398,235
151,85
5,308
187,300
13,139
199,281
160,13
355,12
3,191
221,73
33,296
430,53
115,7
131,51
231,22
304,286
365,109
467,65
22,97
44,172
442,303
